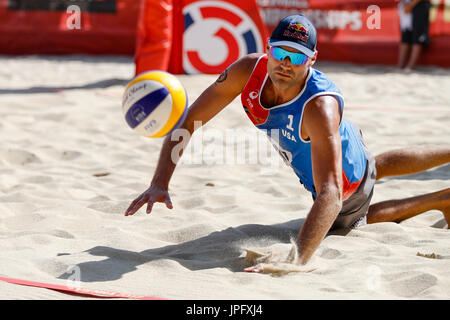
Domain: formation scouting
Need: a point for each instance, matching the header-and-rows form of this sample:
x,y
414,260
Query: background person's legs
x,y
420,33
403,53
416,50
409,161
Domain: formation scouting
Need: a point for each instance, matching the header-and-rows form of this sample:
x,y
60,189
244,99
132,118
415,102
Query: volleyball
x,y
154,103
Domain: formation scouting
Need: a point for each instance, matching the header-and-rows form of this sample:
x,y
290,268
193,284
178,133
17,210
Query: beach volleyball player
x,y
280,90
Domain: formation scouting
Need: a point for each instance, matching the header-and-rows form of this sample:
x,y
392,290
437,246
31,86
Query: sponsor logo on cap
x,y
298,31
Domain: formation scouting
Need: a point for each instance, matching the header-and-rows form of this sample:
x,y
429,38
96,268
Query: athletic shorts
x,y
354,209
420,32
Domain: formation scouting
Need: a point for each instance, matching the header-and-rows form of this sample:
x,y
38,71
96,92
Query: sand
x,y
70,166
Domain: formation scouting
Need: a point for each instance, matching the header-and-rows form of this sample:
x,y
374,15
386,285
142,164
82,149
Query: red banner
x,y
68,26
362,31
203,36
217,33
155,44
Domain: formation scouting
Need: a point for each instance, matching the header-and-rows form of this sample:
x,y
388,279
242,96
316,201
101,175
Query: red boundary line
x,y
79,291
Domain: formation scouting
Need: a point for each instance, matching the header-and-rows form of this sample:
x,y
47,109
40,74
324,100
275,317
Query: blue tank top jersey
x,y
282,123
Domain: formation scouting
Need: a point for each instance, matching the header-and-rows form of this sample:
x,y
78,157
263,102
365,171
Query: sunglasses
x,y
297,58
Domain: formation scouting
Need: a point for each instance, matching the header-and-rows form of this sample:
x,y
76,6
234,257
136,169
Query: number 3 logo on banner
x,y
216,34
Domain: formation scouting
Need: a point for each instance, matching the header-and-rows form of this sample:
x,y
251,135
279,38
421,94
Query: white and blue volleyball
x,y
154,103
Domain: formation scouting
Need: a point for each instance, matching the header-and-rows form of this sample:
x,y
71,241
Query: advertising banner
x,y
197,36
155,30
362,31
205,36
217,33
68,26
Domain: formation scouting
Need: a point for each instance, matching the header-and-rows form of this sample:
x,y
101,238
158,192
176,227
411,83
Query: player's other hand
x,y
150,196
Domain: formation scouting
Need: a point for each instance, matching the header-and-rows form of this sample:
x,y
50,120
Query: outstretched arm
x,y
216,97
321,125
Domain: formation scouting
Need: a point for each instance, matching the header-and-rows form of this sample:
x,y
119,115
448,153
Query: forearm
x,y
171,151
200,112
324,211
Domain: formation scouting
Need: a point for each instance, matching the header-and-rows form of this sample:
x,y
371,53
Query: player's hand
x,y
150,196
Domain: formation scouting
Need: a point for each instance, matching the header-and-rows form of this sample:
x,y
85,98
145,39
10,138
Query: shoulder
x,y
250,60
322,115
238,73
245,65
322,107
233,79
321,88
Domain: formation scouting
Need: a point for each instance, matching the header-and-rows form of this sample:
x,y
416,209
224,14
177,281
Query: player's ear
x,y
267,46
313,59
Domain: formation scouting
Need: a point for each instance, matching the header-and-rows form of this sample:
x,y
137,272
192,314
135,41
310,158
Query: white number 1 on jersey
x,y
291,119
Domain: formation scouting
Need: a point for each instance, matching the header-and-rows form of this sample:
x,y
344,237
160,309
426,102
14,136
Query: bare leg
x,y
399,210
408,161
403,52
415,54
411,160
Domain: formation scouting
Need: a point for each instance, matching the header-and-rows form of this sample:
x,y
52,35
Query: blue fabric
x,y
283,126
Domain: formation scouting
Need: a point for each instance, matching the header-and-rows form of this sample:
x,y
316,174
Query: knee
x,y
379,165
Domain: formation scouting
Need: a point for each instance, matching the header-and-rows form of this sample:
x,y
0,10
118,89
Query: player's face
x,y
283,73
